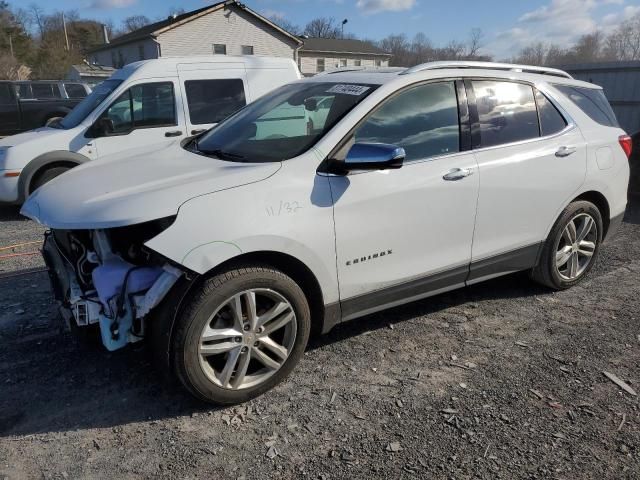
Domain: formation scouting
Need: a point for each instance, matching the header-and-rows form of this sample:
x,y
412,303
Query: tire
x,y
211,345
46,176
552,270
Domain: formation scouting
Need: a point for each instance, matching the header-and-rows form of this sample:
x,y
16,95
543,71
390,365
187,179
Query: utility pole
x,y
11,46
64,27
344,22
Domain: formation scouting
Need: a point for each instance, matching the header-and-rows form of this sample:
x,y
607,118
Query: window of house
x,y
422,120
219,49
343,62
143,106
45,90
592,102
507,112
141,52
320,65
75,90
211,101
551,120
378,63
357,63
247,49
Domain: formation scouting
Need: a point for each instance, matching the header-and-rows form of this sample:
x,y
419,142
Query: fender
x,y
40,161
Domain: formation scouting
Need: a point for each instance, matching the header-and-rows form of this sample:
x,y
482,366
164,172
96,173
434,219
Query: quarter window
x,y
422,120
551,120
75,90
143,106
211,101
592,102
507,112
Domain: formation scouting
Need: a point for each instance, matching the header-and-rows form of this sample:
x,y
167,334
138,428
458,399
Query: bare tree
x,y
285,24
134,22
624,42
37,18
323,27
475,42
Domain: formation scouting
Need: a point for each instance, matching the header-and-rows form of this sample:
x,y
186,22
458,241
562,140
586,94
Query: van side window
x,y
423,120
551,120
211,101
143,106
507,112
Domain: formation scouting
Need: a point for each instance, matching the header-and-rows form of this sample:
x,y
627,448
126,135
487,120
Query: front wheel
x,y
240,335
46,176
572,247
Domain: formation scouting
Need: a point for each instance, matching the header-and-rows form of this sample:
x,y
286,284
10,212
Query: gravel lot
x,y
501,380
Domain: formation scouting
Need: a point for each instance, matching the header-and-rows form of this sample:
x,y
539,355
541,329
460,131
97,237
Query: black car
x,y
28,105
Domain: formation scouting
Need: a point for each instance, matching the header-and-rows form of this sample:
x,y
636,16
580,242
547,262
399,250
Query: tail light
x,y
626,143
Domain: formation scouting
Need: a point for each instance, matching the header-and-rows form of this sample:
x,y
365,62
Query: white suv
x,y
227,250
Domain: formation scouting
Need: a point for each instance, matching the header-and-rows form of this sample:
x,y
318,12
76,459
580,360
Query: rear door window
x,y
45,90
211,101
592,102
551,120
507,112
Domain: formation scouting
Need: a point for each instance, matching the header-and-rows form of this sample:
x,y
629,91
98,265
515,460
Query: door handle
x,y
457,174
175,133
565,151
198,131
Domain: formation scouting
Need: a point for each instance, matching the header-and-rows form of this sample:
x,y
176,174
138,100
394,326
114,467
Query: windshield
x,y
283,124
89,104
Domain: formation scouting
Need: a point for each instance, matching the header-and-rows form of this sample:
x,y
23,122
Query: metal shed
x,y
621,84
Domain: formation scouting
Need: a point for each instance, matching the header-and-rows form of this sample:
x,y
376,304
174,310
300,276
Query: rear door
x,y
530,166
9,112
211,92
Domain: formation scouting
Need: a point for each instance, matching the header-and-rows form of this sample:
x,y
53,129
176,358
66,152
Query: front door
x,y
146,114
402,234
212,92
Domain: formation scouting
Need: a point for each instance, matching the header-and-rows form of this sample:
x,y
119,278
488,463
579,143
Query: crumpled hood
x,y
135,187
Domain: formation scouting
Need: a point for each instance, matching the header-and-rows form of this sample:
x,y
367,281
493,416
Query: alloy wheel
x,y
576,246
247,339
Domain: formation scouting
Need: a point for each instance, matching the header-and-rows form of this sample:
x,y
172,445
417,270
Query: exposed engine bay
x,y
108,277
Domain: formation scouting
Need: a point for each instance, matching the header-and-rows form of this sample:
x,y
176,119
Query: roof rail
x,y
487,66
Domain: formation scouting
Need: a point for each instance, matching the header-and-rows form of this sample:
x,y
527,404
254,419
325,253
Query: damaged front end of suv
x,y
107,277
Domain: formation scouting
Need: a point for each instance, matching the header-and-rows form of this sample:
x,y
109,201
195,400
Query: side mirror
x,y
373,156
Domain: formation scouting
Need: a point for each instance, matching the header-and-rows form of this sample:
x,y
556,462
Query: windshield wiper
x,y
221,154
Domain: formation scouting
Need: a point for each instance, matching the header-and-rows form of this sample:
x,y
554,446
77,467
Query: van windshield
x,y
282,124
88,105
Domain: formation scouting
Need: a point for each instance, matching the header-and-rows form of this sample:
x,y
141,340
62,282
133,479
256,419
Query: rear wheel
x,y
46,176
572,247
240,335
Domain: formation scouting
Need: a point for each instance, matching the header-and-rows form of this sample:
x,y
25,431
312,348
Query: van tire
x,y
45,176
547,272
196,373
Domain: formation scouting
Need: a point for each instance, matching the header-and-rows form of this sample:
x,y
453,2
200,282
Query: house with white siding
x,y
225,28
325,54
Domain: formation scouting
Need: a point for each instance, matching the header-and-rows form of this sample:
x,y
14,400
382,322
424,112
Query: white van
x,y
144,103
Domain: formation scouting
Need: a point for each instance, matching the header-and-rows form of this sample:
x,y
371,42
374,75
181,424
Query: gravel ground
x,y
500,380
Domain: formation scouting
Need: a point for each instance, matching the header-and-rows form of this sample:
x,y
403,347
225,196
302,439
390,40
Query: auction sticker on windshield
x,y
348,89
